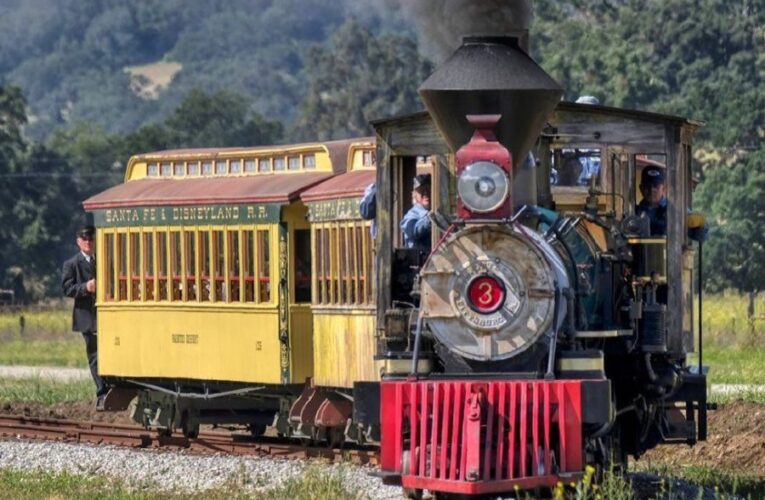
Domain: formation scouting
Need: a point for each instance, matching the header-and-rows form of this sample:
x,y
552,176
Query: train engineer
x,y
654,202
416,223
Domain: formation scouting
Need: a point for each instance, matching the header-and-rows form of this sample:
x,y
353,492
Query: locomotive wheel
x,y
413,493
257,429
165,431
189,427
192,432
608,455
335,437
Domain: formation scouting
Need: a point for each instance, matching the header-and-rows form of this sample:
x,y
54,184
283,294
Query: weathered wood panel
x,y
412,136
675,238
595,130
301,343
344,348
383,241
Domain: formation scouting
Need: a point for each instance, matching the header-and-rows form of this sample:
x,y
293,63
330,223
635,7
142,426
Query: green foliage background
x,y
265,71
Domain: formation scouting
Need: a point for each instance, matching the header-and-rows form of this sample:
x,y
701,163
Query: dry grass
x,y
726,323
149,80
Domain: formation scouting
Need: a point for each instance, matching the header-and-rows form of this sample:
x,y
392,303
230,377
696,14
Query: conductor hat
x,y
86,232
422,181
652,176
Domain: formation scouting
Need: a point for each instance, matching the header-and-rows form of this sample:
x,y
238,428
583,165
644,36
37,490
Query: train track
x,y
208,442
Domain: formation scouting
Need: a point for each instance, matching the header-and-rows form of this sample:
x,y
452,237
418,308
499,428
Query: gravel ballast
x,y
176,472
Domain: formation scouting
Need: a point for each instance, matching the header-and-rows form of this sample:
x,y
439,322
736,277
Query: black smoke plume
x,y
441,24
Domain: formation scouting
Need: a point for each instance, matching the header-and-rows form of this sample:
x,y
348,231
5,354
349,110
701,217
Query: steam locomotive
x,y
546,330
548,335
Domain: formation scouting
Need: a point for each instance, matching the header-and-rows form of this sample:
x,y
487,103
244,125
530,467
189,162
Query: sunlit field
x,y
40,336
315,483
734,348
44,390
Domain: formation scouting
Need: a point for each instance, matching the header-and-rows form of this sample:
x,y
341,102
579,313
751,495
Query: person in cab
x,y
654,202
416,224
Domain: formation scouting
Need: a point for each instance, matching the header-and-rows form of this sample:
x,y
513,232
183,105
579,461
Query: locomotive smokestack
x,y
491,75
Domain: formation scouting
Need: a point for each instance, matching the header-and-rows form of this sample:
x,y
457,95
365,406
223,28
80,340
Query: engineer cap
x,y
652,175
86,232
422,181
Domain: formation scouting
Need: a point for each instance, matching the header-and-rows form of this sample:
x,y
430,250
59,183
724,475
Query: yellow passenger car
x,y
204,277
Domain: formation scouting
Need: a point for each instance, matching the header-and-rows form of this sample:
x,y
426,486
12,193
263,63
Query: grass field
x,y
44,390
40,337
314,484
318,484
69,352
725,484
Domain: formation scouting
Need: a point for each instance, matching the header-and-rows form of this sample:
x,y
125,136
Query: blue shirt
x,y
657,215
368,207
590,168
416,228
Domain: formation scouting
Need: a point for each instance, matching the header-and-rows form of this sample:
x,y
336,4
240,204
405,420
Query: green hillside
x,y
72,58
85,83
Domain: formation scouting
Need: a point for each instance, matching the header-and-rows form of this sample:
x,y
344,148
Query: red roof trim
x,y
169,192
347,185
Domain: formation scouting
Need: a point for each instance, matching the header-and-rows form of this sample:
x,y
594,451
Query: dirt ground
x,y
80,410
736,442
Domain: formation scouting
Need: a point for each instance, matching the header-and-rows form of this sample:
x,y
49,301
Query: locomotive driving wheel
x,y
189,426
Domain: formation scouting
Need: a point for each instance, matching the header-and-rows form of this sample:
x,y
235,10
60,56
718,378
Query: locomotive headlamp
x,y
483,186
484,173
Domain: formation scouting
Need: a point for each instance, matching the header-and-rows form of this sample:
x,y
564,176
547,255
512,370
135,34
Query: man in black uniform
x,y
654,203
78,281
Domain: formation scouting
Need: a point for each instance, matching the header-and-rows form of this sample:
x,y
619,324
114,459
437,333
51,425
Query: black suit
x,y
76,273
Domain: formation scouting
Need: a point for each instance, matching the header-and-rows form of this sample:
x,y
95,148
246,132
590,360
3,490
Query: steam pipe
x,y
570,311
649,368
550,375
416,351
701,302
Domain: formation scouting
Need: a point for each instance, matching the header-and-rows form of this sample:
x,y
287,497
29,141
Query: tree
x,y
219,120
704,60
45,214
13,117
12,149
39,199
358,78
734,200
700,59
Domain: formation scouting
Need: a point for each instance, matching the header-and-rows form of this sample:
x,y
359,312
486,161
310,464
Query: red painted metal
x,y
486,294
212,190
347,185
334,411
481,436
483,146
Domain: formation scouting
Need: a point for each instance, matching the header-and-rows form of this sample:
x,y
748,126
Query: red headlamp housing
x,y
484,173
